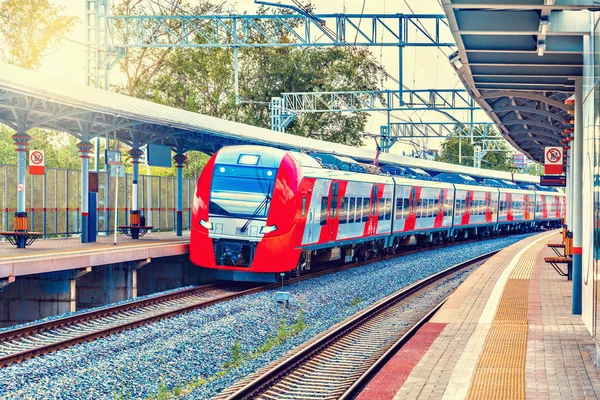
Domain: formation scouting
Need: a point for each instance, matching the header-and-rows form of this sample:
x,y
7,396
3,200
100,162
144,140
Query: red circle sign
x,y
36,157
553,156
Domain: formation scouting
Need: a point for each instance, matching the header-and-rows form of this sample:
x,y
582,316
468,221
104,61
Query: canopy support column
x,y
134,216
577,163
179,160
21,139
85,153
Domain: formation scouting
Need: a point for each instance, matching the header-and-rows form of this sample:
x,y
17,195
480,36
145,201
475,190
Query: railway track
x,y
338,363
22,343
17,345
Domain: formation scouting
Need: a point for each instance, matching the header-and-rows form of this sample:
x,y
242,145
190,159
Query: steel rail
x,y
10,337
271,377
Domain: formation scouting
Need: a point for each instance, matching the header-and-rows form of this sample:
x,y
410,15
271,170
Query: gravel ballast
x,y
170,353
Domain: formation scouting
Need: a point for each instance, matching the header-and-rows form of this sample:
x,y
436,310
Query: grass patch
x,y
355,301
237,358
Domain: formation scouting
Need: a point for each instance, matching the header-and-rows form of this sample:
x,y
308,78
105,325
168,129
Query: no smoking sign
x,y
36,162
553,164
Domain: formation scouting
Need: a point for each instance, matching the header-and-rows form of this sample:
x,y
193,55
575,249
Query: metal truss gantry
x,y
283,30
231,31
115,34
285,108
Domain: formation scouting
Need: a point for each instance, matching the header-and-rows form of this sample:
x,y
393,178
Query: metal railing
x,y
53,201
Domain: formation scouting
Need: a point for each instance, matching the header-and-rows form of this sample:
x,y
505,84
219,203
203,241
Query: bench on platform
x,y
135,231
558,248
555,261
21,239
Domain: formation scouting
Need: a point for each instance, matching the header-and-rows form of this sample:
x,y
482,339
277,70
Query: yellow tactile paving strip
x,y
500,371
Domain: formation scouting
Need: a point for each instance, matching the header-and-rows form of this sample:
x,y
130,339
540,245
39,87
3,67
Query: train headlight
x,y
268,229
208,225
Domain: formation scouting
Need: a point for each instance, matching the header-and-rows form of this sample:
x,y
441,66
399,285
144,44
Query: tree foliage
x,y
29,28
496,160
201,80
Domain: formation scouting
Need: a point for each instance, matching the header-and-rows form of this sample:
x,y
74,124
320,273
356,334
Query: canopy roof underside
x,y
519,60
29,99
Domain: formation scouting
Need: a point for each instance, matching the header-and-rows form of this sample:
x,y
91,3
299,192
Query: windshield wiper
x,y
262,204
255,213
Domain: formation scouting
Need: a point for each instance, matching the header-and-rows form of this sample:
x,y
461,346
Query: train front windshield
x,y
241,191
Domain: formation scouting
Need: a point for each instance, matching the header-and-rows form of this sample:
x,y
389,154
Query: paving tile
x,y
553,358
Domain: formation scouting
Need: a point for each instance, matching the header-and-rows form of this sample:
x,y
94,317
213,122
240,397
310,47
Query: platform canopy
x,y
518,58
41,101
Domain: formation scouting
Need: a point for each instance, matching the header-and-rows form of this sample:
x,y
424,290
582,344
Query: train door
x,y
310,224
333,211
411,218
439,216
509,207
466,216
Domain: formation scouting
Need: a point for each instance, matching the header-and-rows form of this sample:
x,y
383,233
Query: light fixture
x,y
207,224
541,48
268,229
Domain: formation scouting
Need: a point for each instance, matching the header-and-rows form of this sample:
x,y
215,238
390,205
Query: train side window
x,y
419,208
343,210
431,211
398,213
303,206
405,209
323,211
381,209
351,210
365,213
359,209
388,209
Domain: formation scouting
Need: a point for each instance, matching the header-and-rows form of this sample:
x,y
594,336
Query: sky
x,y
423,68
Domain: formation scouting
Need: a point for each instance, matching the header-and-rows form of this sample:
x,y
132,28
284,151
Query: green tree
x,y
497,160
29,28
201,80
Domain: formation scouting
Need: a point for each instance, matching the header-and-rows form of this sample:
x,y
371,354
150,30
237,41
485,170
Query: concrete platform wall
x,y
33,297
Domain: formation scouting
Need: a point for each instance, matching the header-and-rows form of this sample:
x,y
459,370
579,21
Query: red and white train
x,y
260,211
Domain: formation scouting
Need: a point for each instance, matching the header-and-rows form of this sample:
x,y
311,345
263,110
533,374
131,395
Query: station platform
x,y
506,333
51,255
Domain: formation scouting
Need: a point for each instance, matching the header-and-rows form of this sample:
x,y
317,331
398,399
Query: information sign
x,y
36,162
553,164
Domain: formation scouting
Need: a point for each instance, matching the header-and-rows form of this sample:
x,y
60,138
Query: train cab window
x,y
388,209
323,211
365,213
398,213
303,206
343,210
351,210
381,209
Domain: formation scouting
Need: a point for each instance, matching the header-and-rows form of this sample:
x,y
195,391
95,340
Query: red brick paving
x,y
393,375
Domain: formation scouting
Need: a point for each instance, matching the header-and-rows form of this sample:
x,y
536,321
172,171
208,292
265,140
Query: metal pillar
x,y
85,153
236,74
21,139
179,160
134,215
577,196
